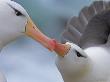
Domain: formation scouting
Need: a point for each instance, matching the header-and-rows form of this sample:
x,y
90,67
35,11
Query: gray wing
x,y
76,26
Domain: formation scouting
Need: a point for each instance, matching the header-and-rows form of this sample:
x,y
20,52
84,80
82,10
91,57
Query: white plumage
x,y
96,65
92,68
78,65
11,25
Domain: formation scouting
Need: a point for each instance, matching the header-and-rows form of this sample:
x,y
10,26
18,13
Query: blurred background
x,y
25,60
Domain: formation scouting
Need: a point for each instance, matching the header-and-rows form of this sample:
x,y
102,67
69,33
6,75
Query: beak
x,y
32,31
62,49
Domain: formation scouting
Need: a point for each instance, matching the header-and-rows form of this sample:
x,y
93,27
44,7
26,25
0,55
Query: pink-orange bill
x,y
51,44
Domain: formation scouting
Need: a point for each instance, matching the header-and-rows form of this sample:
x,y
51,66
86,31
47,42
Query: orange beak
x,y
32,31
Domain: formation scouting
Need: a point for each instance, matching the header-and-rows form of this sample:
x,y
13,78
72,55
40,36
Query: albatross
x,y
87,62
88,57
15,22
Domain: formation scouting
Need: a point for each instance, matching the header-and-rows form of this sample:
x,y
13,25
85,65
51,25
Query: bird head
x,y
74,64
15,21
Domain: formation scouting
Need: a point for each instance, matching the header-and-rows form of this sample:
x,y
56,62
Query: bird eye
x,y
79,55
18,13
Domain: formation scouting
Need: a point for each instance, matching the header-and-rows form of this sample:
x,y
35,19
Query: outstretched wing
x,y
76,25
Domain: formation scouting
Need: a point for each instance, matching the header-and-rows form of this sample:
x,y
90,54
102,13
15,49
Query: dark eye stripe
x,y
17,12
79,54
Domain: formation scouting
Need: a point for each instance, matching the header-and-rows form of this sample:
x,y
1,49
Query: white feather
x,y
94,68
11,25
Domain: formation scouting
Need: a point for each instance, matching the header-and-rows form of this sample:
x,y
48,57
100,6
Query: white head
x,y
14,22
13,19
74,64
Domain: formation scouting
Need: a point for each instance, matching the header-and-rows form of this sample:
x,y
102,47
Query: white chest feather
x,y
95,68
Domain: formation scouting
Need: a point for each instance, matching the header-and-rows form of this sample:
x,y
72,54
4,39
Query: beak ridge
x,y
51,44
32,31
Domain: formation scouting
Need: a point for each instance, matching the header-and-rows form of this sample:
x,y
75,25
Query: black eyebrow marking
x,y
14,8
79,54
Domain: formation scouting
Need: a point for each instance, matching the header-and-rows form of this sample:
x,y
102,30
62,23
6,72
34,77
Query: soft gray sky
x,y
24,60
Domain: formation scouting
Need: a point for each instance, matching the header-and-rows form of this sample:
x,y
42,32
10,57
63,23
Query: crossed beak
x,y
32,31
